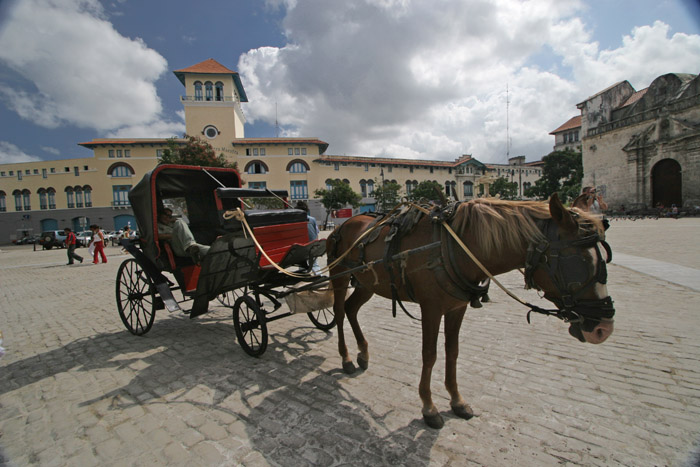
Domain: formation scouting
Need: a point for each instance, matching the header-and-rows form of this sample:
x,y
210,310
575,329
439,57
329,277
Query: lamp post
x,y
381,173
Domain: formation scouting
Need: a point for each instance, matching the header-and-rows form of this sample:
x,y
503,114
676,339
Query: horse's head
x,y
569,267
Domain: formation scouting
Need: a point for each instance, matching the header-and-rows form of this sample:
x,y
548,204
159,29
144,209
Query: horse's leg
x,y
453,321
340,288
431,327
352,306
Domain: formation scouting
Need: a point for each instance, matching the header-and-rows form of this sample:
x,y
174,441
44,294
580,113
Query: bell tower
x,y
212,101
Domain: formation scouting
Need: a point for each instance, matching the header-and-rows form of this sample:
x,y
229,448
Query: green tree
x,y
386,195
501,186
193,152
428,191
562,172
339,196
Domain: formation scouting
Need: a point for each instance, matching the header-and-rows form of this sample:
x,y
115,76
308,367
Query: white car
x,y
83,238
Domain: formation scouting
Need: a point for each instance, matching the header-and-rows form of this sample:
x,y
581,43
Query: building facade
x,y
642,148
568,136
50,195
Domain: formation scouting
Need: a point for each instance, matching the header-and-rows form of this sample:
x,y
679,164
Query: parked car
x,y
28,240
52,238
83,238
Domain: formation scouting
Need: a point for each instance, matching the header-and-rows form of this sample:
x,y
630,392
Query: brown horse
x,y
558,249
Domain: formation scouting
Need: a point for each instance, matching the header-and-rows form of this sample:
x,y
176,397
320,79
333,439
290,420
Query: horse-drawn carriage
x,y
256,256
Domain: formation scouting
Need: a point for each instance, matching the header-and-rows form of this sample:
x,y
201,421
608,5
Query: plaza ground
x,y
77,389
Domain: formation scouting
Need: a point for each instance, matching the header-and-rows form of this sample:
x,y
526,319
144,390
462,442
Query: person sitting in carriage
x,y
178,234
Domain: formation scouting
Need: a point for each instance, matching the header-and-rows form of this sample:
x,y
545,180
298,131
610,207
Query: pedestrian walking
x,y
71,245
98,243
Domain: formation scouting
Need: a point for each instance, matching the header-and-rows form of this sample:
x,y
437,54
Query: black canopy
x,y
193,183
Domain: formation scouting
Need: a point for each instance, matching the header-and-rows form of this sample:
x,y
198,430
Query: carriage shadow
x,y
292,411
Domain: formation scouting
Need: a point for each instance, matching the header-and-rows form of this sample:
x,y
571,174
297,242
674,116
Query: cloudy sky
x,y
394,78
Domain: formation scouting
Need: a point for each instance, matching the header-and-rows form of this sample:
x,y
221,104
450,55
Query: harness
x,y
568,273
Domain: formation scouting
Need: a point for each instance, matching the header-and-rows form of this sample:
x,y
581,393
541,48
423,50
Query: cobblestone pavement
x,y
77,389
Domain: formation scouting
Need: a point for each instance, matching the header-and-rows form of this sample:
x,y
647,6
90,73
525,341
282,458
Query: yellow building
x,y
49,195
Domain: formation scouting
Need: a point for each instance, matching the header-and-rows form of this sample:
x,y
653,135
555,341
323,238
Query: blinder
x,y
571,276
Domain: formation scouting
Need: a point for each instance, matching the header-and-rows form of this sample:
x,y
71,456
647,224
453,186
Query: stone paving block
x,y
78,379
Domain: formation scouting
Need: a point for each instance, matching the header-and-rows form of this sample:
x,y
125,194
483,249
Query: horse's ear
x,y
561,215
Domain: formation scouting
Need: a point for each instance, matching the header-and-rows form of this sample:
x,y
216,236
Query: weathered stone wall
x,y
619,154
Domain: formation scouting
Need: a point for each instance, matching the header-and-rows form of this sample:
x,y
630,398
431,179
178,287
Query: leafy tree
x,y
386,195
562,172
427,190
337,197
501,186
194,152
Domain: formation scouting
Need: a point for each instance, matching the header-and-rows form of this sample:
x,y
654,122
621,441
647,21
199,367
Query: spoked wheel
x,y
228,299
136,298
249,322
323,319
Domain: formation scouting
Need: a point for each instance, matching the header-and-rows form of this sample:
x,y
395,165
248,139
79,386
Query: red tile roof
x,y
573,122
125,141
209,66
634,97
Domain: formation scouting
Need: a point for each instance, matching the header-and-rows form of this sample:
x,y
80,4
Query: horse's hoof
x,y
364,364
464,412
434,421
349,368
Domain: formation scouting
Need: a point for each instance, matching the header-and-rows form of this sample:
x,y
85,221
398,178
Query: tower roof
x,y
212,67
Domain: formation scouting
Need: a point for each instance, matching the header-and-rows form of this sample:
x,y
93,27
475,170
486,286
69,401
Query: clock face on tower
x,y
210,131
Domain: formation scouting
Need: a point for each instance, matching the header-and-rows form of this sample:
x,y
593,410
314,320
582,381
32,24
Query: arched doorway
x,y
666,183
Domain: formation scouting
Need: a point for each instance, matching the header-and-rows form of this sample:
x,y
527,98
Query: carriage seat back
x,y
183,268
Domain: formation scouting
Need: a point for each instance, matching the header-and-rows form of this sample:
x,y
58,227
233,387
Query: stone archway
x,y
666,183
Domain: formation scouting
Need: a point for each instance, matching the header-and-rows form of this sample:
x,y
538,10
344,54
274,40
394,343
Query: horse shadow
x,y
293,412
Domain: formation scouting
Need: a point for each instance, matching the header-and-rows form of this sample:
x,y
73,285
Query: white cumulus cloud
x,y
11,154
427,78
78,69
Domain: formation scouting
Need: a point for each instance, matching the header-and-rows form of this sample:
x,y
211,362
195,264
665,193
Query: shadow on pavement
x,y
293,412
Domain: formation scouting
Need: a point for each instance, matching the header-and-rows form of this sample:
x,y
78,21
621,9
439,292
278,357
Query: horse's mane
x,y
500,224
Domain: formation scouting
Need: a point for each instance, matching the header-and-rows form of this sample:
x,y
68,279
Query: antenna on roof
x,y
507,124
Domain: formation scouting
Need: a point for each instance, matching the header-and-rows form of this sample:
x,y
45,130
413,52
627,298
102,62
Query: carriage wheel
x,y
136,298
249,322
228,299
323,319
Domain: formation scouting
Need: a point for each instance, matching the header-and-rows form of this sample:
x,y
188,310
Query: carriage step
x,y
166,295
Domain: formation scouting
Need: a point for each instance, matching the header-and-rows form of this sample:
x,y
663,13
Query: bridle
x,y
570,276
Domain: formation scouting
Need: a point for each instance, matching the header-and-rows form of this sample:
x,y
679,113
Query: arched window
x,y
198,90
120,169
78,196
256,167
43,204
329,184
219,91
298,166
70,199
87,191
468,189
363,187
370,187
51,194
3,203
209,90
18,199
27,200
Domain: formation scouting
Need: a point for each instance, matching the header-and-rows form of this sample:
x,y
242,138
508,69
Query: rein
x,y
568,306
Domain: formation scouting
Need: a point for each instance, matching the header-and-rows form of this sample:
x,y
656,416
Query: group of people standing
x,y
96,246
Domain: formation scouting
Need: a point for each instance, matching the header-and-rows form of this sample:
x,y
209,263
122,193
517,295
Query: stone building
x,y
642,148
568,136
